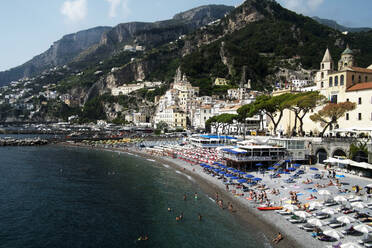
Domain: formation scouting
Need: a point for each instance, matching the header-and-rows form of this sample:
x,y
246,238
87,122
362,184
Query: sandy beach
x,y
267,222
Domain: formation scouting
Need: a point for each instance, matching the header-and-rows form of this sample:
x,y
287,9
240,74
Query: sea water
x,y
54,196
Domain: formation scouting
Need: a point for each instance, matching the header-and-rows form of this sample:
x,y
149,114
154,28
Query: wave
x,y
166,166
151,160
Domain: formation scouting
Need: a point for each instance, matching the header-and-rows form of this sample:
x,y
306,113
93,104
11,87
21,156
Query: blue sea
x,y
54,196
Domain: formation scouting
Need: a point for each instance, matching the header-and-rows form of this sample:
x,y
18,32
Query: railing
x,y
252,158
339,139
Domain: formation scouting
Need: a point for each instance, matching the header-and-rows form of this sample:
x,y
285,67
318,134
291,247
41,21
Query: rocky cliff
x,y
60,53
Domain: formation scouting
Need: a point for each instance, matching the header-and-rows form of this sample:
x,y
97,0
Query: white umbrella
x,y
359,205
329,210
340,198
316,222
290,207
345,219
324,192
363,228
350,245
333,233
369,185
315,204
302,214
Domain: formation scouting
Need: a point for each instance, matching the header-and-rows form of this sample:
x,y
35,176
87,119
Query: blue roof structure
x,y
233,151
217,137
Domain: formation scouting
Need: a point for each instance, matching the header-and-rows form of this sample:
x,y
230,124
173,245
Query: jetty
x,y
23,142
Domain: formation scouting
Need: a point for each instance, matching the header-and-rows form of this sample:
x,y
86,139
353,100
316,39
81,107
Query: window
x,y
347,116
352,78
336,81
322,68
322,74
366,79
359,79
359,100
330,81
342,80
360,116
347,99
322,85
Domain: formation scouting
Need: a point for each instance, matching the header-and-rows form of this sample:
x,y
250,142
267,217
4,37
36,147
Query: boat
x,y
269,208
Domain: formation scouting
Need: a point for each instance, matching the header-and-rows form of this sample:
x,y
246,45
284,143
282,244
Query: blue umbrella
x,y
216,163
236,171
234,177
291,169
259,164
230,169
222,172
202,165
257,179
271,168
287,161
229,175
242,173
277,164
207,166
249,176
285,172
314,168
340,176
242,180
296,165
217,170
222,166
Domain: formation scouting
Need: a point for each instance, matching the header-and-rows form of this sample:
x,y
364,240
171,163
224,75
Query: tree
x,y
302,103
226,120
244,112
330,113
162,125
273,107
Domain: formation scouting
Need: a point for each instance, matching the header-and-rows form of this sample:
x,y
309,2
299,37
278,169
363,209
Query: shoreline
x,y
245,215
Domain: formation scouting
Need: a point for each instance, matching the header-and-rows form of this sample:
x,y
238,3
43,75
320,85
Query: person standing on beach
x,y
184,197
200,217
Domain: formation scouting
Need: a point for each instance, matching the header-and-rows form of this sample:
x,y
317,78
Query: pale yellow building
x,y
348,83
221,81
173,116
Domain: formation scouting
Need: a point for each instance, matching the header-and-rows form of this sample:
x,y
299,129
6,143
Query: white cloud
x,y
117,4
302,6
74,10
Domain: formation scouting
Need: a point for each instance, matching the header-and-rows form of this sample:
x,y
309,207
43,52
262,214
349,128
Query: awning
x,y
361,165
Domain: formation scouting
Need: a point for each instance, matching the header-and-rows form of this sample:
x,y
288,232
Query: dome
x,y
348,51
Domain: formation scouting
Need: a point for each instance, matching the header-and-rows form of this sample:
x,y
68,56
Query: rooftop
x,y
360,86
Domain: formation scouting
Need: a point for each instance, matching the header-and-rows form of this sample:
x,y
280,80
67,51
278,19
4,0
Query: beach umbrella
x,y
242,180
285,172
290,207
259,164
216,170
302,214
345,219
359,205
291,169
316,222
314,168
236,171
257,179
222,172
242,173
324,192
329,210
340,198
363,228
249,176
229,175
234,177
271,168
287,161
230,169
315,204
340,176
350,245
297,165
277,164
369,185
334,233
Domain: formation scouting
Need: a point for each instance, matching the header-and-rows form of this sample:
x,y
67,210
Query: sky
x,y
29,27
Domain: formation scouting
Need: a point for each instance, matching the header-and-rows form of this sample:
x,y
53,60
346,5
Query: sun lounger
x,y
369,244
335,223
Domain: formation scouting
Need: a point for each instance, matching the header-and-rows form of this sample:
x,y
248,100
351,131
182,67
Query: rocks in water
x,y
23,142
